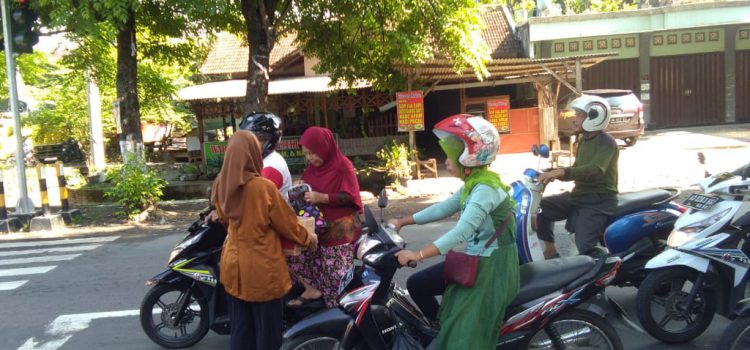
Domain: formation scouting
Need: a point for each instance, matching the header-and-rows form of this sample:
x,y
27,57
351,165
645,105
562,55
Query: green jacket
x,y
595,167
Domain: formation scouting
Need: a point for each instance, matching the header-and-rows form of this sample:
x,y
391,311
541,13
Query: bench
x,y
48,153
425,168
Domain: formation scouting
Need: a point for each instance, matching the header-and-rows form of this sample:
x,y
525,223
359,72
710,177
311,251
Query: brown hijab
x,y
242,163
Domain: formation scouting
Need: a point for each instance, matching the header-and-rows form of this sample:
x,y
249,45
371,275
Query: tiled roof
x,y
497,34
229,54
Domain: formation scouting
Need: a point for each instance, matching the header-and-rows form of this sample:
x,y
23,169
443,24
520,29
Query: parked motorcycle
x,y
376,313
703,273
636,232
187,299
737,335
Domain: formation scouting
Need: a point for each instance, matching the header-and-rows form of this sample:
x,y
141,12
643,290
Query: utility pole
x,y
24,204
95,118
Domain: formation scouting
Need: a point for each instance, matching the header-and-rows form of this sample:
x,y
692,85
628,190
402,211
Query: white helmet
x,y
596,110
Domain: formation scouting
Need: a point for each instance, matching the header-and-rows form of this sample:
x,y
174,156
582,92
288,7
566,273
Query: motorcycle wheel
x,y
311,342
660,299
157,312
578,329
737,336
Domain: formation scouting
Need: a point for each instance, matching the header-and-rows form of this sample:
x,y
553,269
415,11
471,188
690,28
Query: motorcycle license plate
x,y
700,202
346,279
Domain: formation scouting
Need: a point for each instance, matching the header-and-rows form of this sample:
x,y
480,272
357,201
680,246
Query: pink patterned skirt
x,y
323,269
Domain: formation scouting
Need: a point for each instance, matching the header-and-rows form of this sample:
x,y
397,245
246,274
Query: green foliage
x,y
189,169
136,186
395,159
364,39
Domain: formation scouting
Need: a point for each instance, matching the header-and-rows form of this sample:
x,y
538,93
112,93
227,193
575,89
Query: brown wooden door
x,y
614,74
610,74
687,90
742,85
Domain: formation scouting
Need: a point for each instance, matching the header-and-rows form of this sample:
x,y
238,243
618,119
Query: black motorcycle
x,y
376,314
187,300
737,335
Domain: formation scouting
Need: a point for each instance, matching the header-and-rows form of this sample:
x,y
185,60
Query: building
x,y
690,64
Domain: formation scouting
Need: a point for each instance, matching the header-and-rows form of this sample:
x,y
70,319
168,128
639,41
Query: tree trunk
x,y
131,139
260,41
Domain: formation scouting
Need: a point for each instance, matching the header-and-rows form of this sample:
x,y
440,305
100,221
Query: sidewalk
x,y
661,158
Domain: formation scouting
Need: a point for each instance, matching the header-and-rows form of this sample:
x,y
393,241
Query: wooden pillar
x,y
325,110
579,76
413,138
201,131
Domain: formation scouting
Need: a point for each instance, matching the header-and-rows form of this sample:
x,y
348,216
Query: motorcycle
x,y
635,233
703,272
187,299
737,335
376,313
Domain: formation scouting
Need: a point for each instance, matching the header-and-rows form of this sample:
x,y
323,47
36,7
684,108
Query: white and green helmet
x,y
596,110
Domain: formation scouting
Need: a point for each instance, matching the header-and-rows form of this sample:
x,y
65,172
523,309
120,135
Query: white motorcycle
x,y
703,273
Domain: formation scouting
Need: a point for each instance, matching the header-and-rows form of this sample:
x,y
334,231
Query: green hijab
x,y
453,147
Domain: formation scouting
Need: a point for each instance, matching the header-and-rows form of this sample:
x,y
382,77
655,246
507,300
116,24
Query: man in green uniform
x,y
593,200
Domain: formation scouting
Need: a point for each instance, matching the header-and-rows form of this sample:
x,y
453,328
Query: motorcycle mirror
x,y
382,203
534,149
383,199
544,151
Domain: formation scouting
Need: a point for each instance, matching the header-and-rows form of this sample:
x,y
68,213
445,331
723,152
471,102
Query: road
x,y
84,292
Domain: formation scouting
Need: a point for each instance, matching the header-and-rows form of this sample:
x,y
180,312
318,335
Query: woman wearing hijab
x,y
335,190
470,317
254,272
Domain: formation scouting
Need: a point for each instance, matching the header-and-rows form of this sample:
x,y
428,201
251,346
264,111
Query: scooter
x,y
377,314
636,232
703,273
737,335
187,299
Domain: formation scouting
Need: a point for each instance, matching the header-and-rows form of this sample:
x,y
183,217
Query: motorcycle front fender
x,y
674,257
743,308
331,322
167,276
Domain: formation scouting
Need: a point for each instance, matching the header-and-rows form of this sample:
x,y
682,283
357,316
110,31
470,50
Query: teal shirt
x,y
475,225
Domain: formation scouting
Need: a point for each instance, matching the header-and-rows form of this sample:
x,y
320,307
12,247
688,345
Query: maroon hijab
x,y
334,176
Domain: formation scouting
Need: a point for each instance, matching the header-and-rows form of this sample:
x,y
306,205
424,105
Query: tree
x,y
119,22
363,39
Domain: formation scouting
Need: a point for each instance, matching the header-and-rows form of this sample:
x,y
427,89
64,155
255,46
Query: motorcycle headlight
x,y
180,247
524,205
684,234
175,252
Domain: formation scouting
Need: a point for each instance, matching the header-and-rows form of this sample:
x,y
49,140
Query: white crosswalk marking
x,y
50,250
12,284
34,257
58,242
40,259
26,271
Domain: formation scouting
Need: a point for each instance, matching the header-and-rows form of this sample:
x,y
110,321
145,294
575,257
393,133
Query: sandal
x,y
302,302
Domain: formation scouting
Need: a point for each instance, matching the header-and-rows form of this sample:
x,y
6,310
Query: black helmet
x,y
266,126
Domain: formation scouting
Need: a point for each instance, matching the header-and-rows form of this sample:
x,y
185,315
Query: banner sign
x,y
288,147
410,110
497,114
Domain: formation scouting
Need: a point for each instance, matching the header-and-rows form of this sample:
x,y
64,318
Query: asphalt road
x,y
84,293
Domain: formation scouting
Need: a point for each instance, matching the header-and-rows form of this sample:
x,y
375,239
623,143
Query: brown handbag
x,y
461,268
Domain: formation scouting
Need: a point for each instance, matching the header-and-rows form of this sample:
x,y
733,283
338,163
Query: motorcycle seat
x,y
543,277
630,202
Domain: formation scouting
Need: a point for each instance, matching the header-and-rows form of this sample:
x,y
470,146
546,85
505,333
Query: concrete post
x,y
644,74
730,93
